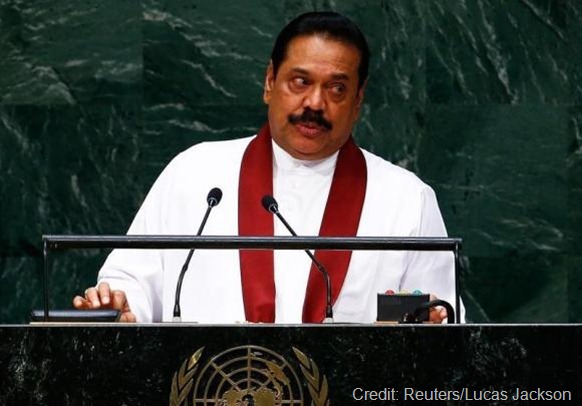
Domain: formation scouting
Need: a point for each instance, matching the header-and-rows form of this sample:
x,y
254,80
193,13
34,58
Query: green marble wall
x,y
483,99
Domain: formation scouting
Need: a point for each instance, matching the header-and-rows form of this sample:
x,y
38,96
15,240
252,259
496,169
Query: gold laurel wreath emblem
x,y
318,388
183,379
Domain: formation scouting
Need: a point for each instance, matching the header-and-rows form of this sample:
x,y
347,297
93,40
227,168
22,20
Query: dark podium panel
x,y
167,364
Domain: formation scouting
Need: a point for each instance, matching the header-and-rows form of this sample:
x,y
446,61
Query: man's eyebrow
x,y
334,76
340,76
300,71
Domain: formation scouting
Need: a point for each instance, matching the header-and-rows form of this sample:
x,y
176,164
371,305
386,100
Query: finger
x,y
435,319
92,295
104,293
440,315
437,314
443,314
119,301
80,302
127,317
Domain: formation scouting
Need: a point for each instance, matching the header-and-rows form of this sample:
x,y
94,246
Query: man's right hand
x,y
102,297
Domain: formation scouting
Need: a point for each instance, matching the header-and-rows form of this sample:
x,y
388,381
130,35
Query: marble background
x,y
482,99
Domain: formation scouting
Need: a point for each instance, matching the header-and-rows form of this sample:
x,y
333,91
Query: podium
x,y
170,364
264,364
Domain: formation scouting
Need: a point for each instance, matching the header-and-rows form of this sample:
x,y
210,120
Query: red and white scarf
x,y
340,219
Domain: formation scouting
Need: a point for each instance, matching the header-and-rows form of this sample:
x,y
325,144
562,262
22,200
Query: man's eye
x,y
299,83
338,89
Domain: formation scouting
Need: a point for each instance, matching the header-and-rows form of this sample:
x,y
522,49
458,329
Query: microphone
x,y
213,198
270,204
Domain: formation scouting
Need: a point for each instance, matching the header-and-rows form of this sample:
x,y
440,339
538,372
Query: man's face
x,y
314,101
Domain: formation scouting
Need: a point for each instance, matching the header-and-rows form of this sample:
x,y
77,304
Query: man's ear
x,y
269,83
360,94
360,97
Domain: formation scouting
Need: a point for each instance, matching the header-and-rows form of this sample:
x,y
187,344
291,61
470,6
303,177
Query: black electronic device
x,y
397,307
76,316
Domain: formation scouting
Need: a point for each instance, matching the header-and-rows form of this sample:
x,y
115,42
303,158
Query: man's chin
x,y
307,152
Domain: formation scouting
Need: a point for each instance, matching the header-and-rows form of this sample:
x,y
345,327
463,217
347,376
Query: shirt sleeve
x,y
431,271
137,272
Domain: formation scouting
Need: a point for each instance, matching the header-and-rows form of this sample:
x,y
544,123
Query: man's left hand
x,y
438,314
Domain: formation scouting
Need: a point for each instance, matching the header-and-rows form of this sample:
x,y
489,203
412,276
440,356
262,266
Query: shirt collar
x,y
282,159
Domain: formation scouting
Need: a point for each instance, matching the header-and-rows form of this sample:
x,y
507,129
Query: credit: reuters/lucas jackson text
x,y
463,394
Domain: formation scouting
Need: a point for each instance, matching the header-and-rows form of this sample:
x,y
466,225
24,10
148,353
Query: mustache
x,y
309,117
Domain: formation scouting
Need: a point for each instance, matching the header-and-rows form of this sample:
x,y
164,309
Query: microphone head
x,y
214,197
270,204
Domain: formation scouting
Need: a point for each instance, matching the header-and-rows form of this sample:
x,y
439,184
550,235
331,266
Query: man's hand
x,y
102,297
437,314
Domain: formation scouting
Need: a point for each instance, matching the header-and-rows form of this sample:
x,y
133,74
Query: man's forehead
x,y
338,43
306,52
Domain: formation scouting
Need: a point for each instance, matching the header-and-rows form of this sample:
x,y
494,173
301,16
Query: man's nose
x,y
314,99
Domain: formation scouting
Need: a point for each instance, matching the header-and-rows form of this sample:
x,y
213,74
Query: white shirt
x,y
397,203
301,189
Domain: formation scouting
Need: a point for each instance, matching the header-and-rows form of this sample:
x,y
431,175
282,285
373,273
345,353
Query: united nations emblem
x,y
245,376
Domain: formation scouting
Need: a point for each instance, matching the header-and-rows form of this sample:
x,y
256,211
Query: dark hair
x,y
328,25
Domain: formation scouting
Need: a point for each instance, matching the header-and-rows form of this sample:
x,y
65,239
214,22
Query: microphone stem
x,y
328,311
204,219
289,228
177,310
320,268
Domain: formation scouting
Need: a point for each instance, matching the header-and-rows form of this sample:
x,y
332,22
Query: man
x,y
325,185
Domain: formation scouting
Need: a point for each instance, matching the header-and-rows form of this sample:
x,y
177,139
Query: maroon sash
x,y
341,218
